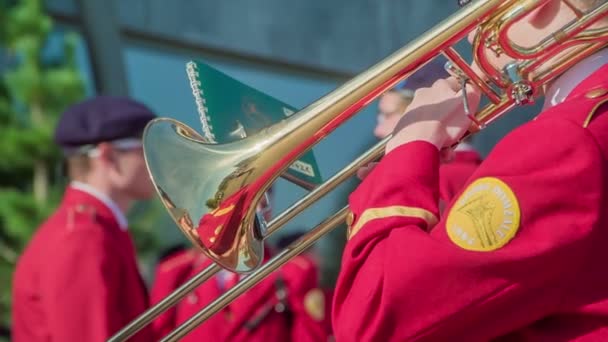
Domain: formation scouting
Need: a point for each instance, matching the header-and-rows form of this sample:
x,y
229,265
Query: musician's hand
x,y
436,115
365,170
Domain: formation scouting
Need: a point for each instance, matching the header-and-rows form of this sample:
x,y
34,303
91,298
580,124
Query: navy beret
x,y
99,119
425,76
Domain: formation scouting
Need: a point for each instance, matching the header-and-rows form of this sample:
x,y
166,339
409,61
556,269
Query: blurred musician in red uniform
x,y
311,257
286,306
78,279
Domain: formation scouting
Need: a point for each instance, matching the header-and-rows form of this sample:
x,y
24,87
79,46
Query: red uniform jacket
x,y
170,274
78,279
453,175
252,317
519,254
329,296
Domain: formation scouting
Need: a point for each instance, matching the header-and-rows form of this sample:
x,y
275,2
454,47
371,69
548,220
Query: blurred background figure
x,y
78,278
286,306
174,268
391,106
310,256
393,102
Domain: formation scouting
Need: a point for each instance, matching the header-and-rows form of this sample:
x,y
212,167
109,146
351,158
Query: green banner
x,y
231,110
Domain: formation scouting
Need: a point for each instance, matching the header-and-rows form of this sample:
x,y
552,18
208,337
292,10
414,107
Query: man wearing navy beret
x,y
78,279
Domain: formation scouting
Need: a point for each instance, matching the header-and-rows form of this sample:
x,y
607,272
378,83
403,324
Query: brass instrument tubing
x,y
553,42
273,264
162,306
274,225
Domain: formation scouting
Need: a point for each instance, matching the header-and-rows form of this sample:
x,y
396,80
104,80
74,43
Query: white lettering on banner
x,y
303,167
288,112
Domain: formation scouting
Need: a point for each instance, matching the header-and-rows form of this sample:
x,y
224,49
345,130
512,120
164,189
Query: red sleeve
x,y
452,177
306,301
399,282
83,289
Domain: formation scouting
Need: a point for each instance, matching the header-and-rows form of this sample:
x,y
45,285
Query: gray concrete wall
x,y
339,35
342,37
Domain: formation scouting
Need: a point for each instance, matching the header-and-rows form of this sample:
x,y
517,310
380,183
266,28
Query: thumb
x,y
364,171
447,155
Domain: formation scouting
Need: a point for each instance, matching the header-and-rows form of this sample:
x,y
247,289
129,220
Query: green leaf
x,y
27,19
22,147
24,83
62,85
20,215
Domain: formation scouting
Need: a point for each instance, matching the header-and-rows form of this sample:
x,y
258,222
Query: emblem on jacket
x,y
314,303
485,217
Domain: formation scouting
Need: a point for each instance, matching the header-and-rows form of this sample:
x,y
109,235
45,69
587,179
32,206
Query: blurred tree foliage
x,y
39,79
34,88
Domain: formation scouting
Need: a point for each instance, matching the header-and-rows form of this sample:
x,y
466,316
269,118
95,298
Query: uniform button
x,y
350,218
192,299
595,93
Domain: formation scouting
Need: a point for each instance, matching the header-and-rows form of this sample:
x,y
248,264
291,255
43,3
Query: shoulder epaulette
x,y
176,261
77,212
597,93
302,262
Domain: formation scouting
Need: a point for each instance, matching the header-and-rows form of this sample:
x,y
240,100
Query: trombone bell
x,y
216,213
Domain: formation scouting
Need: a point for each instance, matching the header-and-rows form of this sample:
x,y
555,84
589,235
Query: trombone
x,y
217,211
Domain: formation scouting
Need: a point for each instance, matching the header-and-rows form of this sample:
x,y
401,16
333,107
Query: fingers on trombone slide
x,y
461,80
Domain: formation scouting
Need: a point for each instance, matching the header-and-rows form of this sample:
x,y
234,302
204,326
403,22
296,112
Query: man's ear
x,y
544,15
106,153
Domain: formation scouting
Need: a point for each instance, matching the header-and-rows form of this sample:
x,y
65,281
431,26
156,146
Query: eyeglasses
x,y
463,3
120,144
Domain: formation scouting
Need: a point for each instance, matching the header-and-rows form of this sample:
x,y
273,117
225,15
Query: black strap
x,y
280,306
5,332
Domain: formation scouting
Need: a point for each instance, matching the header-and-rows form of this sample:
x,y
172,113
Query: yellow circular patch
x,y
314,303
485,217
